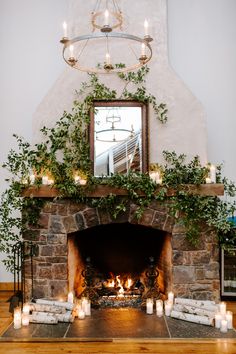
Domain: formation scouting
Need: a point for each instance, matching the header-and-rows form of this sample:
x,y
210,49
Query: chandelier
x,y
114,134
103,50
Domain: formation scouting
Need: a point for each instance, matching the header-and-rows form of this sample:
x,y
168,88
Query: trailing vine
x,y
64,153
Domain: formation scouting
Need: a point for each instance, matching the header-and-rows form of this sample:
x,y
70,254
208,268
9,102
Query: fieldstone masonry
x,y
191,272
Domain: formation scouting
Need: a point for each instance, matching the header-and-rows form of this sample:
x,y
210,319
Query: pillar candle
x,y
17,318
149,306
81,314
45,180
84,302
208,180
171,297
222,308
213,174
218,319
25,319
26,308
168,307
223,326
229,319
88,308
70,297
159,311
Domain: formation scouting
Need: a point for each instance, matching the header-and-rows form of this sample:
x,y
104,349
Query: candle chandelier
x,y
104,50
114,134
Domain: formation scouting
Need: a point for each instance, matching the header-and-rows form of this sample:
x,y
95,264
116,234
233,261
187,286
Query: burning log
x,y
207,305
192,318
66,305
47,308
194,310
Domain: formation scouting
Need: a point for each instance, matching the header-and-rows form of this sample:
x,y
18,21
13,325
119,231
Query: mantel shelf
x,y
215,189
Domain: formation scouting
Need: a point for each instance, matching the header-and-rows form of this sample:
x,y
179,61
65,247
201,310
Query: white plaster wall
x,y
202,51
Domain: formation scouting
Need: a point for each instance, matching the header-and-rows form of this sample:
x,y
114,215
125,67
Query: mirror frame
x,y
144,118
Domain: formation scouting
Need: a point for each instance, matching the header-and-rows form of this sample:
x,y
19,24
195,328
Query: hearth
x,y
119,250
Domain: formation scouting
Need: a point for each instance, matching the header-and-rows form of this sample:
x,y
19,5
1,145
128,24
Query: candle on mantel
x,y
168,307
82,182
77,179
222,308
208,180
171,297
229,319
213,174
17,318
149,306
32,178
45,180
218,319
223,326
70,297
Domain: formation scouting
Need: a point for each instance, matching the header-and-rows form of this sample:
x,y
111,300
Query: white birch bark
x,y
47,308
43,317
194,310
192,318
65,317
207,305
66,305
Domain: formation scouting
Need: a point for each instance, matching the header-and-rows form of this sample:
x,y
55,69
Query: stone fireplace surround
x,y
186,270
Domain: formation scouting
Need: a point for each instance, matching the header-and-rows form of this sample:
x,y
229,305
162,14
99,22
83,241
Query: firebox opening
x,y
122,249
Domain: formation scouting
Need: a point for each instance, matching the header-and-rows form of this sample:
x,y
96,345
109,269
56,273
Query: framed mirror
x,y
118,134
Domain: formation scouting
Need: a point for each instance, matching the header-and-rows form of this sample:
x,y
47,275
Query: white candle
x,y
25,319
45,180
106,17
84,302
171,297
64,29
108,59
146,27
208,180
218,319
88,308
213,174
229,319
82,182
143,49
70,297
26,308
71,47
149,306
17,318
77,179
159,303
223,326
81,314
32,178
50,181
168,307
222,308
159,311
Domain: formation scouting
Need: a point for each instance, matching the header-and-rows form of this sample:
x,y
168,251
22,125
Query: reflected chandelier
x,y
113,51
114,134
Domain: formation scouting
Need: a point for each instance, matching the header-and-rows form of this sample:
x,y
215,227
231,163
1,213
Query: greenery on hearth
x,y
64,154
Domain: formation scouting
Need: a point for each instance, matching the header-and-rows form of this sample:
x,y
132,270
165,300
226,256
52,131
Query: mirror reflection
x,y
117,139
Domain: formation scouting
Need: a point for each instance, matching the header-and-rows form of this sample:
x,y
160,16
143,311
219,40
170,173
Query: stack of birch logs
x,y
197,311
51,312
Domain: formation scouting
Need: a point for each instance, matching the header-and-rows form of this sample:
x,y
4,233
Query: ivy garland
x,y
65,151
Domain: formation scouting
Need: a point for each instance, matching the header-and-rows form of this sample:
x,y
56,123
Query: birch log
x,y
47,308
194,310
43,317
65,317
192,318
207,305
66,305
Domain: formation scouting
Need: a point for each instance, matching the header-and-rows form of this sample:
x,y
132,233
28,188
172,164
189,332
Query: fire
x,y
121,290
128,283
111,283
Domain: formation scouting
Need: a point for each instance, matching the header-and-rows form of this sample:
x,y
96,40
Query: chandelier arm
x,y
76,65
132,50
83,48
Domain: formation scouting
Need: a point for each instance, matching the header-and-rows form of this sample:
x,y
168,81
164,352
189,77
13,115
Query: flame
x,y
121,290
128,283
111,283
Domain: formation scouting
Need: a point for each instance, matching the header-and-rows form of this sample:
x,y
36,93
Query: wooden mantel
x,y
215,189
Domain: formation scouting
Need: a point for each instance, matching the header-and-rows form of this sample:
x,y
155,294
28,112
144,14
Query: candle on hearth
x,y
229,319
159,303
26,308
222,308
17,318
25,319
171,297
159,311
149,306
84,302
223,326
213,174
70,297
168,307
88,308
81,314
218,319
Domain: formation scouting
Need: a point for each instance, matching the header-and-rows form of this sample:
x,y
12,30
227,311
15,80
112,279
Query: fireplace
x,y
68,233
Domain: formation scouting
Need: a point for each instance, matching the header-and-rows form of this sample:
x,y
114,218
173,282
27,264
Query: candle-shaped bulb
x,y
71,47
106,17
143,49
64,29
108,59
146,28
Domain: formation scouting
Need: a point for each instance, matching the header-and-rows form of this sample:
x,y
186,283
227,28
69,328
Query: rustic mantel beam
x,y
215,189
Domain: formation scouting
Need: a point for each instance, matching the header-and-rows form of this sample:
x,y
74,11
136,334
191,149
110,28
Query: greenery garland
x,y
65,151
